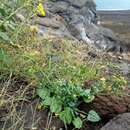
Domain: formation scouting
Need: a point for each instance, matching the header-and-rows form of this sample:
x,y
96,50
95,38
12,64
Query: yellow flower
x,y
103,79
34,29
102,67
109,88
56,114
41,10
39,107
34,53
74,96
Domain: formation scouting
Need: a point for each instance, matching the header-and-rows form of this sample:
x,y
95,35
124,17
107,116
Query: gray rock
x,y
59,6
78,3
121,122
78,20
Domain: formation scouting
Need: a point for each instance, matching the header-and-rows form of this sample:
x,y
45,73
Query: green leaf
x,y
66,115
77,123
93,116
88,99
4,57
4,36
3,12
56,105
86,92
47,101
87,96
43,93
11,26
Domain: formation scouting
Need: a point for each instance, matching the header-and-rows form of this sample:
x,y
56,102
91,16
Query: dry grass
x,y
18,80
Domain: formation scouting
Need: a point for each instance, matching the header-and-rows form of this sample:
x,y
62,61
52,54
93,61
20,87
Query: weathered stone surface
x,y
121,122
78,3
108,106
78,20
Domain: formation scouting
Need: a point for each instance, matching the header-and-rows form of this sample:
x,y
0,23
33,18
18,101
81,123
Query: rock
x,y
121,122
53,26
78,3
77,20
108,106
124,68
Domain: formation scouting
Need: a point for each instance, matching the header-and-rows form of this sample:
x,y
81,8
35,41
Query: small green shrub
x,y
63,96
63,99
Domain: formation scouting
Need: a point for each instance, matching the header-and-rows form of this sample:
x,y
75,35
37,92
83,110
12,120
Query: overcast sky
x,y
113,4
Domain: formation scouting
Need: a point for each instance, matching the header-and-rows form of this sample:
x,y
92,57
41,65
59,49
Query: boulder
x,y
121,122
109,106
77,19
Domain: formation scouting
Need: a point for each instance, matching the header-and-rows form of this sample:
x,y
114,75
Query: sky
x,y
113,4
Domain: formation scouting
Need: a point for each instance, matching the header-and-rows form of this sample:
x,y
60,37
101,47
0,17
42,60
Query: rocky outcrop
x,y
121,122
77,19
109,106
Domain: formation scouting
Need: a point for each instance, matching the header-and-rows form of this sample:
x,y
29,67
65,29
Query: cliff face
x,y
77,19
